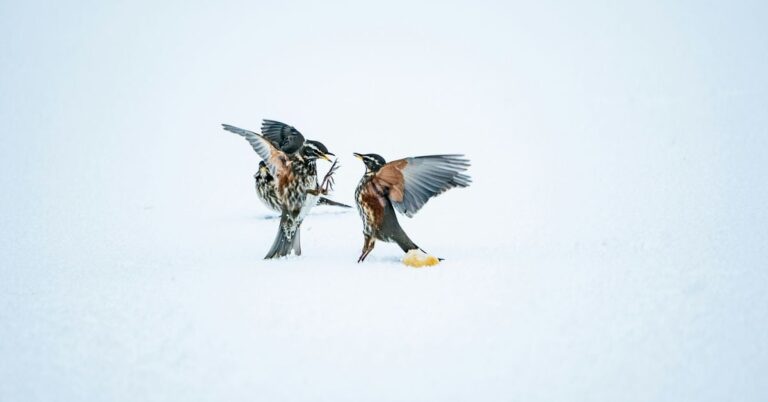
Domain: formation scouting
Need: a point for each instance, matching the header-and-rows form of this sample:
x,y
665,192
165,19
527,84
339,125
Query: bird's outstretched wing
x,y
285,137
410,182
275,159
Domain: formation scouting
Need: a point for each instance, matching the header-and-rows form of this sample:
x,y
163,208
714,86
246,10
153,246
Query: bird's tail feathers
x,y
405,242
407,245
287,240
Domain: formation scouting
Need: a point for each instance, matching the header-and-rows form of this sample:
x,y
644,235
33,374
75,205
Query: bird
x,y
289,140
404,185
297,191
291,185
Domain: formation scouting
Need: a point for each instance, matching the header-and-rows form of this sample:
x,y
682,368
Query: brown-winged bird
x,y
293,185
289,140
404,185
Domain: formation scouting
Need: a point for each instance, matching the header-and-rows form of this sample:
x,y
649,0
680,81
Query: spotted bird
x,y
404,185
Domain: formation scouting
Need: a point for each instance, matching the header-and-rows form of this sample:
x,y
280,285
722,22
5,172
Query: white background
x,y
611,247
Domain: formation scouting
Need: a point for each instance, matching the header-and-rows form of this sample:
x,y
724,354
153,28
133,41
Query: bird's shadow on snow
x,y
330,260
267,217
383,259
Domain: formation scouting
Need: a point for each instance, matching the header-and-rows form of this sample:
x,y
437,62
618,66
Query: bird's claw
x,y
326,185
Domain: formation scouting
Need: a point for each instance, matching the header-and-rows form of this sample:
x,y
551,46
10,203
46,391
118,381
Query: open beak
x,y
357,155
325,156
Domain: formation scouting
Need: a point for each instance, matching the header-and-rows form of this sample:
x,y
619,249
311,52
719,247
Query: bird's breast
x,y
369,206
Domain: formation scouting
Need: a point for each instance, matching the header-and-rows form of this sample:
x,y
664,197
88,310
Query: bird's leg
x,y
327,184
328,180
367,247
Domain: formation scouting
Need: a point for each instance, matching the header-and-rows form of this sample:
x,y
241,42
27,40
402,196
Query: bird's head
x,y
314,150
373,162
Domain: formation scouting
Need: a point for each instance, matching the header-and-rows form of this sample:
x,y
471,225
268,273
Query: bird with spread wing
x,y
287,178
404,185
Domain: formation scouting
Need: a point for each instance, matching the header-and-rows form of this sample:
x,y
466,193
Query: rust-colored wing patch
x,y
389,180
279,162
413,181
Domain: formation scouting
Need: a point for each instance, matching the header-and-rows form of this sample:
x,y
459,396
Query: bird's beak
x,y
325,156
357,155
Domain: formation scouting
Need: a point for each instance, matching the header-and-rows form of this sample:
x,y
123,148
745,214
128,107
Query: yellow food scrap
x,y
418,259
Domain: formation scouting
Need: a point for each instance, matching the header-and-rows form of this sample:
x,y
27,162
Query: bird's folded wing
x,y
411,182
274,158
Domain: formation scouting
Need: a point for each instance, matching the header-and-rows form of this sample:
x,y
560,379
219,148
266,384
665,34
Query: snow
x,y
611,247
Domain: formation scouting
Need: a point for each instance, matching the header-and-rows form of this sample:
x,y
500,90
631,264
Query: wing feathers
x,y
411,182
271,155
282,136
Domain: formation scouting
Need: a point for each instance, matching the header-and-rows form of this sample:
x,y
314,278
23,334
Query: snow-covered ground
x,y
611,247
